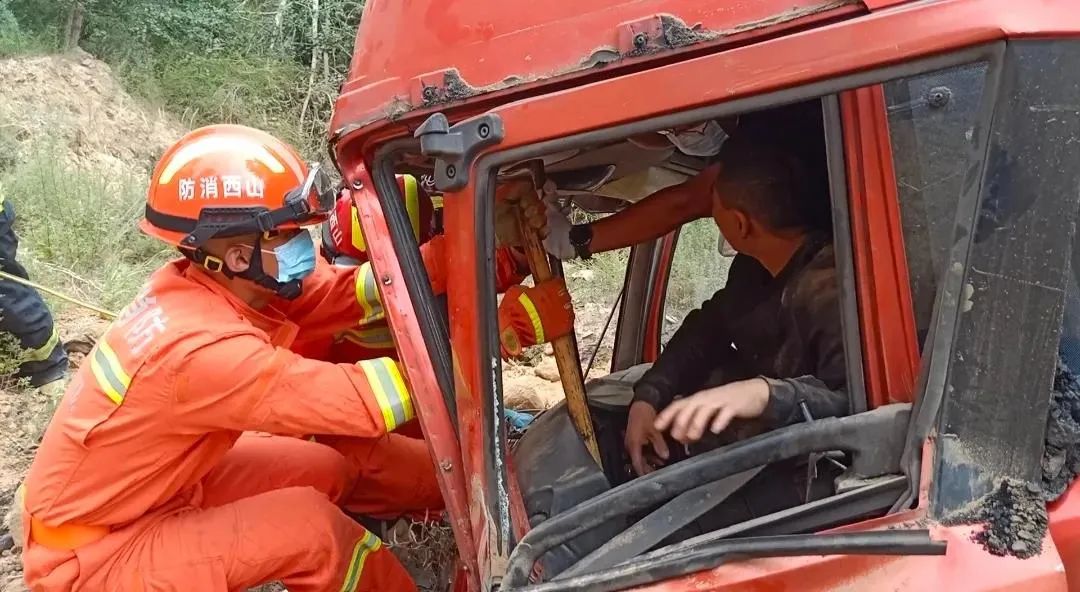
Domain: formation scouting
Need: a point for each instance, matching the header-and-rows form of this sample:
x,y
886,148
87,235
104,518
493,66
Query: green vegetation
x,y
697,271
273,64
93,251
12,355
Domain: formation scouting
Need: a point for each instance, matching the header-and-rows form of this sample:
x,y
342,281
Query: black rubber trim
x,y
640,572
845,260
432,325
494,419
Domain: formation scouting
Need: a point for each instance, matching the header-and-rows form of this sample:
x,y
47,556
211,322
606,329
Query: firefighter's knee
x,y
338,473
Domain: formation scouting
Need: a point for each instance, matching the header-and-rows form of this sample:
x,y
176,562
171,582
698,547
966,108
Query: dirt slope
x,y
75,101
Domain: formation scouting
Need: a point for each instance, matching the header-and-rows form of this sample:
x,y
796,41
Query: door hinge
x,y
455,147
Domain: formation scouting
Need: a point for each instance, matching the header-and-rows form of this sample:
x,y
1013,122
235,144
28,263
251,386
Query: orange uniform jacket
x,y
181,373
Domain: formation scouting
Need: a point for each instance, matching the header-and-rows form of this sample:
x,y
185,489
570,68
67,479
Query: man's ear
x,y
744,225
238,257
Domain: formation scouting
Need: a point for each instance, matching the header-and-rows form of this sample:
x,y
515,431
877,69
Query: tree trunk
x,y
73,31
315,45
279,23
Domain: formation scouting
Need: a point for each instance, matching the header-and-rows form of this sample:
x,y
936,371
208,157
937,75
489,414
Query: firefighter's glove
x,y
509,198
433,254
557,241
530,316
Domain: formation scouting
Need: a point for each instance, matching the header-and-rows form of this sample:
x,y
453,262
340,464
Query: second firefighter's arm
x,y
337,298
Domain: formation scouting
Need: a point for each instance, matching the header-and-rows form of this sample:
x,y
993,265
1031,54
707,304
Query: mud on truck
x,y
948,142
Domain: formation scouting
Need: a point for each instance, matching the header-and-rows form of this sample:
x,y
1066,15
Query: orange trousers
x,y
395,475
270,512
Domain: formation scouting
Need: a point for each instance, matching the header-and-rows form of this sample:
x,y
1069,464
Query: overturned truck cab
x,y
949,136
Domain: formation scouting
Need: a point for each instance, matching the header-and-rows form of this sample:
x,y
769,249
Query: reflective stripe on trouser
x,y
367,295
364,547
534,316
108,372
390,392
262,488
25,315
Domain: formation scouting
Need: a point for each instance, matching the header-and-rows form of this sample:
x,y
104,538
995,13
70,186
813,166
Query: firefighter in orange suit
x,y
144,480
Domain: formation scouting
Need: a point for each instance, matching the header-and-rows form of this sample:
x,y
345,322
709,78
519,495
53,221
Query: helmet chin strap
x,y
290,290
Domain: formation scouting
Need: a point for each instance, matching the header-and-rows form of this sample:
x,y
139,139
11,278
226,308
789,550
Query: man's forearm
x,y
651,218
786,394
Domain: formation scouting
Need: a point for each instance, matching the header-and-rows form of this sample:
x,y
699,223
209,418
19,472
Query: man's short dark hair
x,y
772,182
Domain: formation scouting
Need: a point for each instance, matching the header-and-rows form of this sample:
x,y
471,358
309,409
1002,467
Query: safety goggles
x,y
316,196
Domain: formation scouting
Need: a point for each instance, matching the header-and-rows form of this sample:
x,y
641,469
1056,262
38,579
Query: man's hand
x,y
509,198
713,409
640,431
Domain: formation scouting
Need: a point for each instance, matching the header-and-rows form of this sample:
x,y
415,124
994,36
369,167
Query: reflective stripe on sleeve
x,y
367,294
109,373
390,392
42,353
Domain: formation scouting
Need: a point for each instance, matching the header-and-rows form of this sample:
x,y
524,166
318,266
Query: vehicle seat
x,y
556,472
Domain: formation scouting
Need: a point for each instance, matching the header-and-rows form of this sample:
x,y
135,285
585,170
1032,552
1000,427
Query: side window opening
x,y
697,271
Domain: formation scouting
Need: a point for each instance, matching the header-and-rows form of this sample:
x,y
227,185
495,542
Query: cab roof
x,y
412,58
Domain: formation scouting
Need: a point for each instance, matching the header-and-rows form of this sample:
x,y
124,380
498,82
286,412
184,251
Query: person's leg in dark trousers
x,y
24,314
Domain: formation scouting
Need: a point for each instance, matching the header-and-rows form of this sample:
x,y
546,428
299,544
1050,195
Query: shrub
x,y
78,229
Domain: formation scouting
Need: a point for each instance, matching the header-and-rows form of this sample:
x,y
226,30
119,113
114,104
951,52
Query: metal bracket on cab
x,y
455,147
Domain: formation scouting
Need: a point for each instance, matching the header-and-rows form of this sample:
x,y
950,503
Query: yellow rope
x,y
100,311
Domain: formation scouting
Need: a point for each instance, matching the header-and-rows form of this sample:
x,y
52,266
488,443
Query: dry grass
x,y
427,550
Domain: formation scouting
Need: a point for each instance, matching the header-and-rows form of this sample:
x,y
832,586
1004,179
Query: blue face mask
x,y
295,258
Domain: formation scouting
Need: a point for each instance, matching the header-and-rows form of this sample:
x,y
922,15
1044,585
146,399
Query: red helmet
x,y
342,236
230,180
